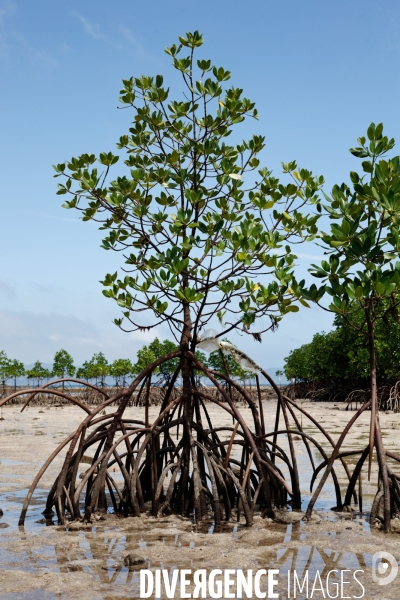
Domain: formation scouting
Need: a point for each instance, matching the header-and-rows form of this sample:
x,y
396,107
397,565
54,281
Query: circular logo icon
x,y
384,568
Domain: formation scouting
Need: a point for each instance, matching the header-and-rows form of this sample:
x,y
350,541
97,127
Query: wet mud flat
x,y
87,561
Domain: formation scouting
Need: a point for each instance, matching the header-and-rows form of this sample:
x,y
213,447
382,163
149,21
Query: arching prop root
x,y
183,463
388,394
180,462
387,500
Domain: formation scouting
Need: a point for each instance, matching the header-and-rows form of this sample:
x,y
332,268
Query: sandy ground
x,y
87,562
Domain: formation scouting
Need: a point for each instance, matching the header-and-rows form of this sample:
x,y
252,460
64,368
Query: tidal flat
x,y
44,561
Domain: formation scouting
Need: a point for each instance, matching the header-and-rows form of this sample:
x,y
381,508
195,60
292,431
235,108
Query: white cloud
x,y
114,39
44,289
53,217
132,39
29,336
7,290
308,256
145,335
11,39
91,28
6,9
94,30
35,53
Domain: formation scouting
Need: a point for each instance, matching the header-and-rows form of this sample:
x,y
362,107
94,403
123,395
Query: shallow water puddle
x,y
31,595
99,553
87,562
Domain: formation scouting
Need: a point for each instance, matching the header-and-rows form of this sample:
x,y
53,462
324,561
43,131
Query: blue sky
x,y
319,72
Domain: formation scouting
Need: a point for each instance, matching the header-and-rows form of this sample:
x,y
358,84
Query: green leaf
x,y
176,211
367,166
371,132
354,177
292,308
359,152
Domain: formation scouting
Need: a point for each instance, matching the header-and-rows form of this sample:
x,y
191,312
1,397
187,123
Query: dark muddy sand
x,y
87,561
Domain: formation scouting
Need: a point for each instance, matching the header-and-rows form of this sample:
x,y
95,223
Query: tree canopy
x,y
120,369
206,233
203,228
221,363
364,242
96,368
38,372
63,364
148,354
341,356
10,368
363,271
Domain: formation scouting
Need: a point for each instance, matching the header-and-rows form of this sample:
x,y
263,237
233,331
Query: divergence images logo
x,y
385,572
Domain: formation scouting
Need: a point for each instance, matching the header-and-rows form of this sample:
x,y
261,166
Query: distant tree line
x,y
341,356
122,370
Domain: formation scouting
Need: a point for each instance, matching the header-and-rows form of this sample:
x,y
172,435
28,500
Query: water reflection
x,y
32,595
101,551
316,559
311,558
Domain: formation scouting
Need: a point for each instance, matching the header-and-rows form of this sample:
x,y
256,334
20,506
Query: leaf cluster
x,y
227,363
63,364
199,222
341,356
363,245
10,368
39,372
96,368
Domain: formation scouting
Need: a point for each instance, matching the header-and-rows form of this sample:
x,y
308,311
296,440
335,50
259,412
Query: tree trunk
x,y
187,409
372,369
375,435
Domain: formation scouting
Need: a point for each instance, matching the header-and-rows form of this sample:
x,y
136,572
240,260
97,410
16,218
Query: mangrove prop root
x,y
208,469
